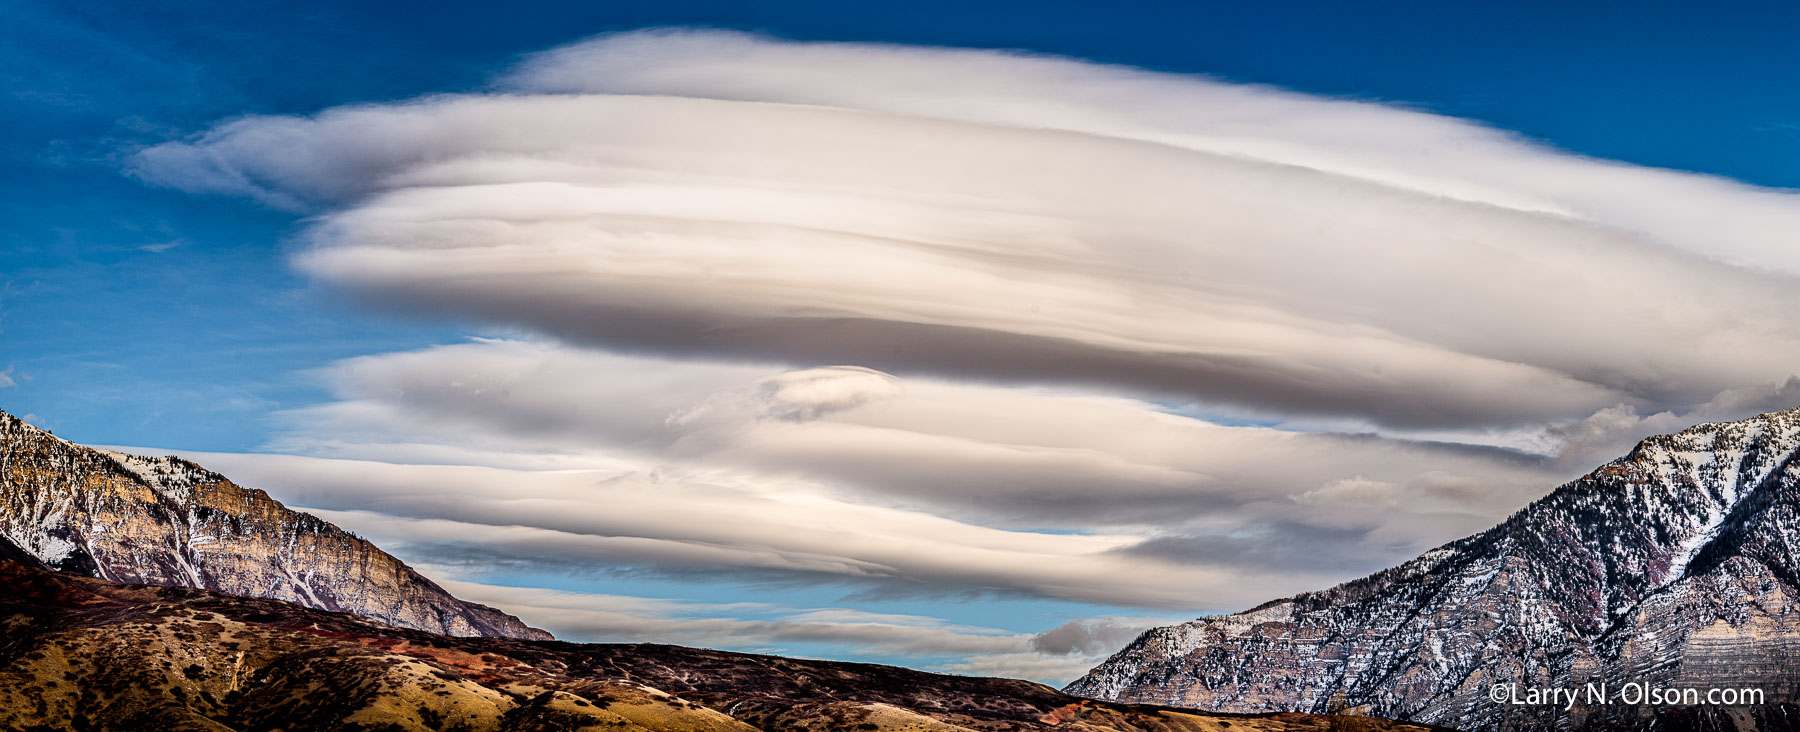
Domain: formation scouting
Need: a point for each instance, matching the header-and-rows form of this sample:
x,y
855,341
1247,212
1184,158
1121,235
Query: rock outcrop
x,y
166,521
1671,568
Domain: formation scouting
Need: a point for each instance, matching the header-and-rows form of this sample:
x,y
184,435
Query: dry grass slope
x,y
77,653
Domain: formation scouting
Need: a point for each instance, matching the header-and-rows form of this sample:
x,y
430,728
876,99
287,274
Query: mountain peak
x,y
168,521
1640,571
10,425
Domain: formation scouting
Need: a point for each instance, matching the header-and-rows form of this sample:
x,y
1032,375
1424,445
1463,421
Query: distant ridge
x,y
166,521
85,654
1673,566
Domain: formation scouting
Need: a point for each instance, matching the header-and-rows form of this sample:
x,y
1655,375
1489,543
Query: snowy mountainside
x,y
166,521
1672,567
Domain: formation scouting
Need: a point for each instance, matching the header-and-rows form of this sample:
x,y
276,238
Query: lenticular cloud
x,y
1017,219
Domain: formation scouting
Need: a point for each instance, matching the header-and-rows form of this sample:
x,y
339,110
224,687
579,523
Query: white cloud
x,y
1014,218
720,524
571,458
1396,147
801,395
1089,636
1022,457
1352,492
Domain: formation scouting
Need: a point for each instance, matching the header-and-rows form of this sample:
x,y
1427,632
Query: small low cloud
x,y
1088,637
1606,434
796,396
6,378
1320,544
1358,492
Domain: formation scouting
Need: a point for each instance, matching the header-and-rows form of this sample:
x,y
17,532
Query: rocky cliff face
x,y
1672,567
166,521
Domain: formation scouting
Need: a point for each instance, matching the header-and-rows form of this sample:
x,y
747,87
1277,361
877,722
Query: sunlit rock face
x,y
166,521
1672,567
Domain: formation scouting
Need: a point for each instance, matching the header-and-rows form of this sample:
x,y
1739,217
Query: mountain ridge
x,y
168,521
80,653
1655,568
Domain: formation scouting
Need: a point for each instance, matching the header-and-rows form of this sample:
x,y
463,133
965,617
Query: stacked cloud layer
x,y
937,322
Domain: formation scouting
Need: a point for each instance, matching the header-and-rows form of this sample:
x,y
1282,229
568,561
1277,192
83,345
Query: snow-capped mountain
x,y
166,521
1672,567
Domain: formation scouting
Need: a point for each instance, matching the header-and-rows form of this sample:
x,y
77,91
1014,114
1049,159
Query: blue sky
x,y
193,345
138,308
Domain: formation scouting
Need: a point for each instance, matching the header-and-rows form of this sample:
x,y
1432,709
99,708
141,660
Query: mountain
x,y
166,521
11,553
1672,567
78,653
